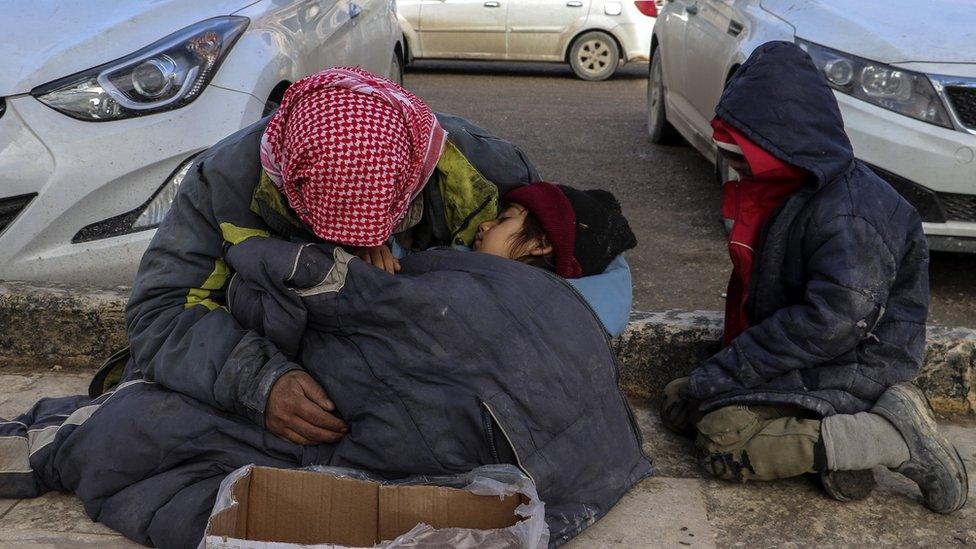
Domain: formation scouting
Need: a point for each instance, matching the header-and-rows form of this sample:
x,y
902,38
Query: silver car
x,y
593,36
904,79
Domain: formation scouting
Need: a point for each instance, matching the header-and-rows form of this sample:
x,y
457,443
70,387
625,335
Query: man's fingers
x,y
389,262
394,262
311,413
314,392
292,436
313,433
380,257
376,257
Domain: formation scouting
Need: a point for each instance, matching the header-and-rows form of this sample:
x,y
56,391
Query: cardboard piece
x,y
307,507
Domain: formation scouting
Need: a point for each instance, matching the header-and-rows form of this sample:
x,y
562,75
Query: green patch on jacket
x,y
216,281
269,203
469,197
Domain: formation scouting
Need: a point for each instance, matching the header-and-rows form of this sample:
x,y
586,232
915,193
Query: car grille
x,y
10,207
959,207
933,207
924,200
964,102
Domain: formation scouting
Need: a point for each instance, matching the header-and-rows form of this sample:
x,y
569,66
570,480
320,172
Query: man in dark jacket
x,y
339,132
825,320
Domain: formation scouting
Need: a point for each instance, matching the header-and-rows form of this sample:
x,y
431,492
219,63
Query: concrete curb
x,y
65,326
59,325
658,347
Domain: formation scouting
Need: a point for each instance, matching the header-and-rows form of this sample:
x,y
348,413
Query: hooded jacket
x,y
838,295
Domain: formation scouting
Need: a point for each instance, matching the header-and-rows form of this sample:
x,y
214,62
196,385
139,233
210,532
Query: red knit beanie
x,y
587,230
555,213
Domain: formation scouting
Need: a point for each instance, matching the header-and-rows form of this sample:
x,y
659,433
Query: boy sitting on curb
x,y
826,310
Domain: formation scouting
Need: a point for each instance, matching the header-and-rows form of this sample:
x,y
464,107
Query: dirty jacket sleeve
x,y
180,333
850,270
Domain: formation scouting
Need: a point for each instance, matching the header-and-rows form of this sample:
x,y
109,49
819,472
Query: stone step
x,y
61,326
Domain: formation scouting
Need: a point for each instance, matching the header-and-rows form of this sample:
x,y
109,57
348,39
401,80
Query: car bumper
x,y
933,167
86,172
635,39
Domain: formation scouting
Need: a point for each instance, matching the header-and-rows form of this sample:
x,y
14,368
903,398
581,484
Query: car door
x,y
376,31
671,33
470,29
712,35
538,29
329,33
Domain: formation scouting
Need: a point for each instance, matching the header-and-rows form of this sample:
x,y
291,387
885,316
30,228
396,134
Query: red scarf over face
x,y
749,203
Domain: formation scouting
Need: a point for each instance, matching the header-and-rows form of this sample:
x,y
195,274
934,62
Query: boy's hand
x,y
379,256
679,412
298,410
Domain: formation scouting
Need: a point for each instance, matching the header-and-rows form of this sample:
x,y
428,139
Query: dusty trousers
x,y
743,443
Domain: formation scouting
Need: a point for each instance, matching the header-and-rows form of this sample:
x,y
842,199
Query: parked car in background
x,y
104,104
905,79
593,36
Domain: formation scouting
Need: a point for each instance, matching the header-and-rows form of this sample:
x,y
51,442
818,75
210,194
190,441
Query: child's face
x,y
497,237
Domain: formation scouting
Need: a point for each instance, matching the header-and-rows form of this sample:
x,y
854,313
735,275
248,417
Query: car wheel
x,y
658,128
270,106
594,56
396,69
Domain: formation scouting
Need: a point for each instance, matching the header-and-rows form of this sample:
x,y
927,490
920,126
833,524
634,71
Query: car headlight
x,y
165,75
905,92
154,212
147,216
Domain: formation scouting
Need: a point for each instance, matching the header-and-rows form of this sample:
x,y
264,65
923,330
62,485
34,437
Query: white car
x,y
903,73
103,104
593,36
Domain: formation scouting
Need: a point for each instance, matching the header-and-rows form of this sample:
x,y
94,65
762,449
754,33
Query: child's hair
x,y
531,232
585,229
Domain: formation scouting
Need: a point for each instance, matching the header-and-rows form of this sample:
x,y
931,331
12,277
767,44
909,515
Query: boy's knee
x,y
728,428
741,443
722,438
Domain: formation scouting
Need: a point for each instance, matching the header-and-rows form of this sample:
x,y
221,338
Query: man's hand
x,y
298,411
379,256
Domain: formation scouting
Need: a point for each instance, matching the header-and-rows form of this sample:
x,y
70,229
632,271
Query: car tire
x,y
659,130
396,68
594,56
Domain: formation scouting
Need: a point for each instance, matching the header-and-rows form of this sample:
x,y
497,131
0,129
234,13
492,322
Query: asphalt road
x,y
592,134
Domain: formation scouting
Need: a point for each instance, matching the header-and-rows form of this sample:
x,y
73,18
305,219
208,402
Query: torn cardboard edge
x,y
268,507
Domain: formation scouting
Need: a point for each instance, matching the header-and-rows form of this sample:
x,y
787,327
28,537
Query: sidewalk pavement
x,y
677,508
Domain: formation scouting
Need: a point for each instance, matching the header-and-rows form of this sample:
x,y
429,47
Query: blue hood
x,y
780,101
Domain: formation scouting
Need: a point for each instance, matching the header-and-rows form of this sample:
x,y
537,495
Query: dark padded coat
x,y
457,354
839,291
433,368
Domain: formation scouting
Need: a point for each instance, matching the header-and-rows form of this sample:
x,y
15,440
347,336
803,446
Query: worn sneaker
x,y
848,485
935,464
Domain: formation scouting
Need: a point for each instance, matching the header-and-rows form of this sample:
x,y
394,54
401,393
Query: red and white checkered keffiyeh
x,y
350,150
